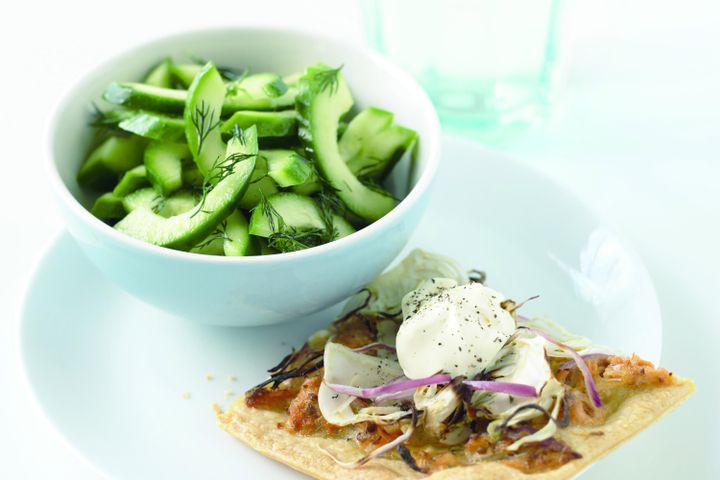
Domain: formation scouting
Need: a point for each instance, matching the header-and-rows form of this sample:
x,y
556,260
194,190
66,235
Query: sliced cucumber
x,y
323,99
142,199
372,144
202,119
264,248
213,245
131,180
163,162
111,158
237,241
108,207
292,79
341,227
154,126
186,230
185,73
149,199
139,95
191,176
362,128
160,75
178,203
287,167
261,91
286,211
261,185
269,124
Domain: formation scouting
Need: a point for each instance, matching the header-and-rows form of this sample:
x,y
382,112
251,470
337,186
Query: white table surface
x,y
634,134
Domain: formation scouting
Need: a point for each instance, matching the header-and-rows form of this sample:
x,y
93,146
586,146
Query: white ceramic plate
x,y
110,372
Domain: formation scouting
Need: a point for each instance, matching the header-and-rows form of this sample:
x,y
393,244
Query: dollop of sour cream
x,y
451,328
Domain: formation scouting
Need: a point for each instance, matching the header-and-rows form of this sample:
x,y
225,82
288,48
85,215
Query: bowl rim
x,y
431,145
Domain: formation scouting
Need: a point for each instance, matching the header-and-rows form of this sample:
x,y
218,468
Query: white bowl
x,y
246,290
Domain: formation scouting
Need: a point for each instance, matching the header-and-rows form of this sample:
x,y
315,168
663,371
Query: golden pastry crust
x,y
258,429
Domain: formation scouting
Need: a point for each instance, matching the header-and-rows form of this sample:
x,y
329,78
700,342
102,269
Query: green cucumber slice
x,y
237,241
382,152
284,211
264,248
186,230
191,176
202,119
142,199
185,73
361,129
269,124
160,75
154,126
131,180
141,96
261,185
212,245
178,203
260,91
324,98
108,207
287,167
163,162
341,227
111,158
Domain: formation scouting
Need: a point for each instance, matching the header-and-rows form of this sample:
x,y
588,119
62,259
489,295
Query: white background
x,y
635,134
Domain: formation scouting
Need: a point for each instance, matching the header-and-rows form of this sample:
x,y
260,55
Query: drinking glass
x,y
484,63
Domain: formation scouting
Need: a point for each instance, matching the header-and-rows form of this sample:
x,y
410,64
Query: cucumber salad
x,y
222,162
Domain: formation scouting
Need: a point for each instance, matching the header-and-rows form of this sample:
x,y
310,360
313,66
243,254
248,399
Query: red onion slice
x,y
517,389
584,369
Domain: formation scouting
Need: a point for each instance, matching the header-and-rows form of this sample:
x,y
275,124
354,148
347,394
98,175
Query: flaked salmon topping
x,y
581,411
267,399
530,458
635,372
355,330
373,434
303,411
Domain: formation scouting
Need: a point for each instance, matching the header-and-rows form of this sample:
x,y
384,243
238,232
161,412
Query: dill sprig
x,y
330,204
220,171
220,233
277,224
288,239
203,119
292,240
158,204
326,78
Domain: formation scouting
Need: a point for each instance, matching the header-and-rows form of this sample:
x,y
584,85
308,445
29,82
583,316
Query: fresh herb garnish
x,y
220,171
292,240
203,119
276,222
220,233
321,80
